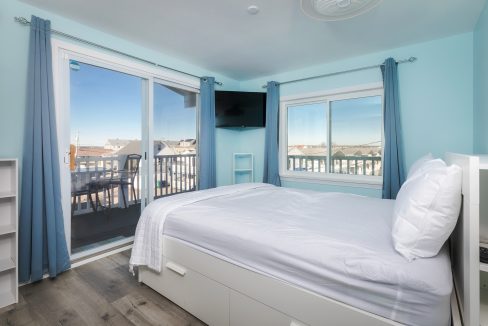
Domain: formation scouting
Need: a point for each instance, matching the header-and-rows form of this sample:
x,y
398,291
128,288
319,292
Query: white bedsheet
x,y
148,240
337,245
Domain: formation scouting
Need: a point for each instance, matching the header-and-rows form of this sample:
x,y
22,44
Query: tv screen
x,y
240,109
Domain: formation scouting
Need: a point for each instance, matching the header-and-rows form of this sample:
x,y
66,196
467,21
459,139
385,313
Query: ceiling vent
x,y
331,10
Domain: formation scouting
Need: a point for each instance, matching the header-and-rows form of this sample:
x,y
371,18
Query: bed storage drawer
x,y
245,311
205,298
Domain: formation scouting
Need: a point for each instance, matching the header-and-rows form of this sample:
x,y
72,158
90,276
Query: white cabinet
x,y
204,298
8,231
243,168
483,193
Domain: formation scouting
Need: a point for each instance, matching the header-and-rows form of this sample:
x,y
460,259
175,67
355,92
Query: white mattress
x,y
336,245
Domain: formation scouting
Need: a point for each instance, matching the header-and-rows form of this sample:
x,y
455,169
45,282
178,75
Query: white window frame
x,y
375,182
62,53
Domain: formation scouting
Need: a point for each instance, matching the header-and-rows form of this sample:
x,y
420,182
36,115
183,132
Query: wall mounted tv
x,y
240,109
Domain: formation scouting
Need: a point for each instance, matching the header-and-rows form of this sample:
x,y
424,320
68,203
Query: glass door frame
x,y
62,53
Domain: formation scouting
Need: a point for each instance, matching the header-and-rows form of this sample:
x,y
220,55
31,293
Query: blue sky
x,y
354,122
171,119
108,104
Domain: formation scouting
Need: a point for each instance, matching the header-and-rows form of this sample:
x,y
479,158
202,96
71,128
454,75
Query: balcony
x,y
99,213
355,165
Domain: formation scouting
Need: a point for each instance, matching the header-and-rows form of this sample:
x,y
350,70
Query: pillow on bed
x,y
418,164
426,210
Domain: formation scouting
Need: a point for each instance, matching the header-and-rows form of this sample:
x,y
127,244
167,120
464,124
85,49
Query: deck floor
x,y
99,293
91,229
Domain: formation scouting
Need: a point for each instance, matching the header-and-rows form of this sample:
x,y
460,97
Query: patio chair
x,y
125,177
81,190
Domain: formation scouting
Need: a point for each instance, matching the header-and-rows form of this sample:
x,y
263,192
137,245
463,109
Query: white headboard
x,y
465,241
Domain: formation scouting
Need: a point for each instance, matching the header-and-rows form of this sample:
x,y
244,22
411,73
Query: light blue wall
x,y
239,140
436,97
14,39
436,92
481,83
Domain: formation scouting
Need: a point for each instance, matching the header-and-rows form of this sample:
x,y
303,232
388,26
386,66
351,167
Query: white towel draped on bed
x,y
148,241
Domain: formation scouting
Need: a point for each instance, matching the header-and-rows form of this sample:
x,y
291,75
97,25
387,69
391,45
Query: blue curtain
x,y
271,171
393,171
42,241
207,177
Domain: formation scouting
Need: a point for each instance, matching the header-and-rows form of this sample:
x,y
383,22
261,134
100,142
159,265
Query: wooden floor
x,y
99,293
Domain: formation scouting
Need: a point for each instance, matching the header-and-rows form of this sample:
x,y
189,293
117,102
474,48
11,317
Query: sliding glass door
x,y
175,139
128,135
105,155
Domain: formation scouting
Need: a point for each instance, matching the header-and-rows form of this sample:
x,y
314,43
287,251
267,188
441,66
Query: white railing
x,y
365,165
91,170
172,174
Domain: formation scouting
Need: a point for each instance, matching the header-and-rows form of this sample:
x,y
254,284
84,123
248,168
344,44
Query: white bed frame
x,y
221,293
464,243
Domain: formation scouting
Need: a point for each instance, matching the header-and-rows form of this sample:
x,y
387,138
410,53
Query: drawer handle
x,y
176,268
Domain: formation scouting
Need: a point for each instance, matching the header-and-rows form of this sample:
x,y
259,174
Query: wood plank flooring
x,y
99,293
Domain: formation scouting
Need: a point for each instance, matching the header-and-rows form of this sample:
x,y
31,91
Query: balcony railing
x,y
172,174
357,165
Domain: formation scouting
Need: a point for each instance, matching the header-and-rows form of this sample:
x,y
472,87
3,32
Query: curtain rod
x,y
409,60
25,22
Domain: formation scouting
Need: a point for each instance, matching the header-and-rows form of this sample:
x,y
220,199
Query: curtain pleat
x,y
393,165
207,160
271,171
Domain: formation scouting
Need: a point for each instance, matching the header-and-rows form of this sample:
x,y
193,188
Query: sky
x,y
353,122
107,104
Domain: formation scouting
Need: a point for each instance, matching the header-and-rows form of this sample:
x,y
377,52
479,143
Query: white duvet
x,y
148,241
337,245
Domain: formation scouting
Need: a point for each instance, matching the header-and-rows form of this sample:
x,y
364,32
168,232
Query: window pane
x,y
307,137
175,143
356,135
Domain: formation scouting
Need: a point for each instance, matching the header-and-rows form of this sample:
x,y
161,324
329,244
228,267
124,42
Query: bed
x,y
256,254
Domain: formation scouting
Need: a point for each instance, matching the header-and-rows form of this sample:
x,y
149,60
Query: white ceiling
x,y
221,36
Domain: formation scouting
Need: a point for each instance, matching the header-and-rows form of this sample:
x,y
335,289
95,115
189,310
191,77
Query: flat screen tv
x,y
240,109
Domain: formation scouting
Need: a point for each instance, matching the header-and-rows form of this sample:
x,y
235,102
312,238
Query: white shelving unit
x,y
243,168
8,231
483,230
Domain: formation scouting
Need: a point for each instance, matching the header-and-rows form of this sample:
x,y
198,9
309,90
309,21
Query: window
x,y
333,137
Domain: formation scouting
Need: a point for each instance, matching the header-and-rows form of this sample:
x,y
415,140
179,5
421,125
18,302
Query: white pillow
x,y
419,163
426,210
425,167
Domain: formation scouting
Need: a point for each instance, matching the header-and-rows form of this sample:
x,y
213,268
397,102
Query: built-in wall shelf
x,y
8,232
243,168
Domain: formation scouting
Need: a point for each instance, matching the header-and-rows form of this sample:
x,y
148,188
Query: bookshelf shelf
x,y
243,168
8,232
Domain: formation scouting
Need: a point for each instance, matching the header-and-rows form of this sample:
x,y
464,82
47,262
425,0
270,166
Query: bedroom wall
x,y
437,90
481,83
436,97
13,66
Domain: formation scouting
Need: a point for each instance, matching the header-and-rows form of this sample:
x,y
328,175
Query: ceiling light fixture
x,y
253,9
331,10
